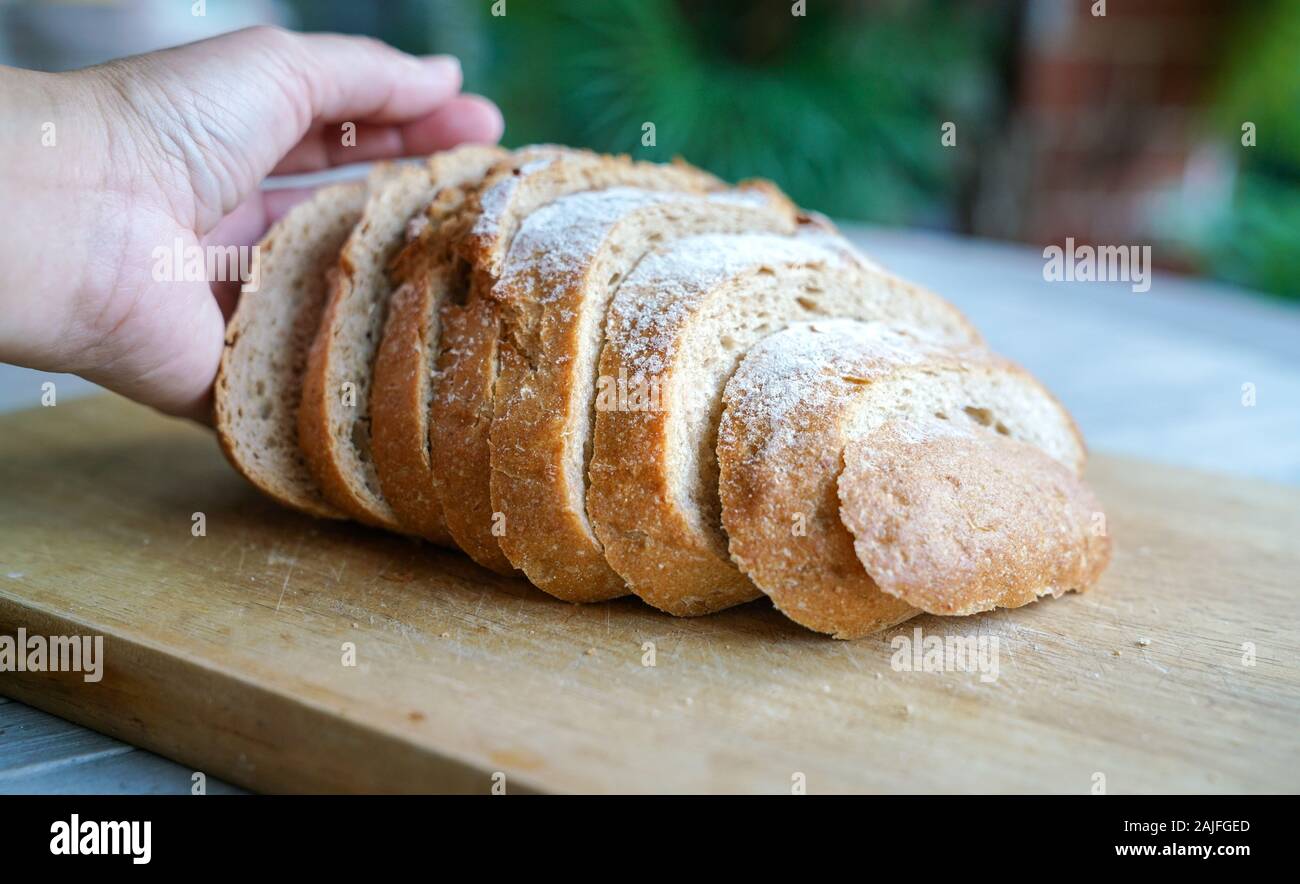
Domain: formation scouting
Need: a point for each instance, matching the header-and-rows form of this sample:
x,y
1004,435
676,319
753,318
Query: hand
x,y
173,145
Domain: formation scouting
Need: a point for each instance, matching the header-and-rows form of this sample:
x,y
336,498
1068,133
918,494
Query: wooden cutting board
x,y
225,651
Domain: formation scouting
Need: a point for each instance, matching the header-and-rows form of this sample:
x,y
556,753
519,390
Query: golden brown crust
x,y
328,423
463,406
668,544
399,410
779,444
956,522
317,507
459,426
553,306
460,405
789,411
646,540
423,274
318,442
334,422
538,175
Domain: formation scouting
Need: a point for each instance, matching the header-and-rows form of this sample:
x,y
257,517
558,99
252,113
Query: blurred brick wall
x,y
1105,120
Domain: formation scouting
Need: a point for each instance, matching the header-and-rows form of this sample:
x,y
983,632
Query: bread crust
x,y
544,394
333,431
788,416
319,445
403,376
399,411
337,470
540,174
958,521
463,407
480,401
780,514
655,539
462,418
779,443
296,256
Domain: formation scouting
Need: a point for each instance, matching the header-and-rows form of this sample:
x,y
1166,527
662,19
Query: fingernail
x,y
445,68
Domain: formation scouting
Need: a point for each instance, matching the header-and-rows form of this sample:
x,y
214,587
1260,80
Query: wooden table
x,y
1204,566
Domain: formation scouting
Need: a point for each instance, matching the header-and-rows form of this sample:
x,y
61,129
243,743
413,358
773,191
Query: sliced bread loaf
x,y
616,375
259,384
334,423
563,266
462,411
683,320
796,399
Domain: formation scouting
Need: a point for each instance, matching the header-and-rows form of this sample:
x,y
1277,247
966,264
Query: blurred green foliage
x,y
843,109
1256,242
842,106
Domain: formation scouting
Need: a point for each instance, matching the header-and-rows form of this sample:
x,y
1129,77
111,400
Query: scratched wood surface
x,y
224,652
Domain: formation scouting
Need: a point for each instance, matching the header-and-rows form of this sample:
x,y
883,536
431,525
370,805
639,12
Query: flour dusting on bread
x,y
620,376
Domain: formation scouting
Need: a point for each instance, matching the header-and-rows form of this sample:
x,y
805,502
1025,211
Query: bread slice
x,y
796,399
427,272
957,519
259,384
404,375
334,423
462,410
683,319
564,265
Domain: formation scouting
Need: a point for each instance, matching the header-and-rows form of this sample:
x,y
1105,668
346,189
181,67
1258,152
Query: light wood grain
x,y
224,651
